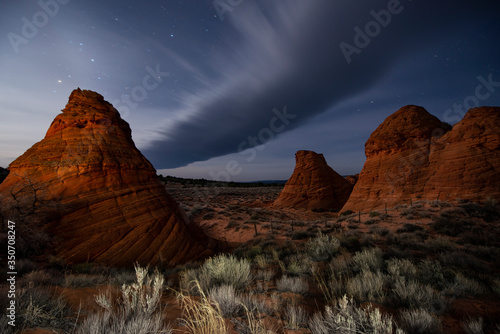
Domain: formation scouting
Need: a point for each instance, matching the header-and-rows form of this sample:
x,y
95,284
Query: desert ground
x,y
420,267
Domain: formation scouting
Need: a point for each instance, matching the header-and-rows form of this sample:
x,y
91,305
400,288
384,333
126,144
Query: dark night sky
x,y
200,87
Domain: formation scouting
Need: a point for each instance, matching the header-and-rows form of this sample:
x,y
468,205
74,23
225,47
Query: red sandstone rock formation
x,y
313,185
352,179
113,209
412,155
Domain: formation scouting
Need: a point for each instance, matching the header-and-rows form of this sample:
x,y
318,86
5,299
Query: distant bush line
x,y
210,183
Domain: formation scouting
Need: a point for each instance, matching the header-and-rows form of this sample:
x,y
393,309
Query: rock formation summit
x,y
111,207
313,185
413,155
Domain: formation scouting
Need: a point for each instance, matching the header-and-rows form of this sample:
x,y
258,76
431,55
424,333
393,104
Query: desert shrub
x,y
382,231
322,247
75,281
431,272
252,302
479,236
410,213
201,315
496,286
228,270
440,244
6,328
188,276
254,251
464,286
412,294
328,283
464,261
347,318
346,213
350,240
342,265
401,268
136,310
368,259
451,222
367,240
407,240
231,224
39,278
353,224
473,326
295,316
374,214
266,275
409,228
122,276
40,307
228,300
254,325
24,266
439,204
485,212
484,252
298,265
262,260
420,321
292,284
371,221
300,235
367,286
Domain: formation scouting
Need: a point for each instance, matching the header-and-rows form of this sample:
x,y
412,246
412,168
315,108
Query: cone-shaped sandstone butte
x,y
313,185
113,210
413,155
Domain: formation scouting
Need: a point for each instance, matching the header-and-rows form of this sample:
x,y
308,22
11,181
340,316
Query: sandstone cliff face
x,y
466,161
352,179
412,155
111,207
313,185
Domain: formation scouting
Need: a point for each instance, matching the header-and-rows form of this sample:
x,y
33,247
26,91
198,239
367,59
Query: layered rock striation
x,y
111,207
413,155
313,185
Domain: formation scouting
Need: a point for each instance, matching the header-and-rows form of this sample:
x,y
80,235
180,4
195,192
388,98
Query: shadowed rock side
x,y
112,208
3,174
313,185
352,179
413,155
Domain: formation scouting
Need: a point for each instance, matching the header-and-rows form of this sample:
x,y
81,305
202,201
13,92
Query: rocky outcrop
x,y
313,185
111,207
413,155
352,179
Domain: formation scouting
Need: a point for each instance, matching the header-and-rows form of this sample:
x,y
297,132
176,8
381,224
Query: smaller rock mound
x,y
313,185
